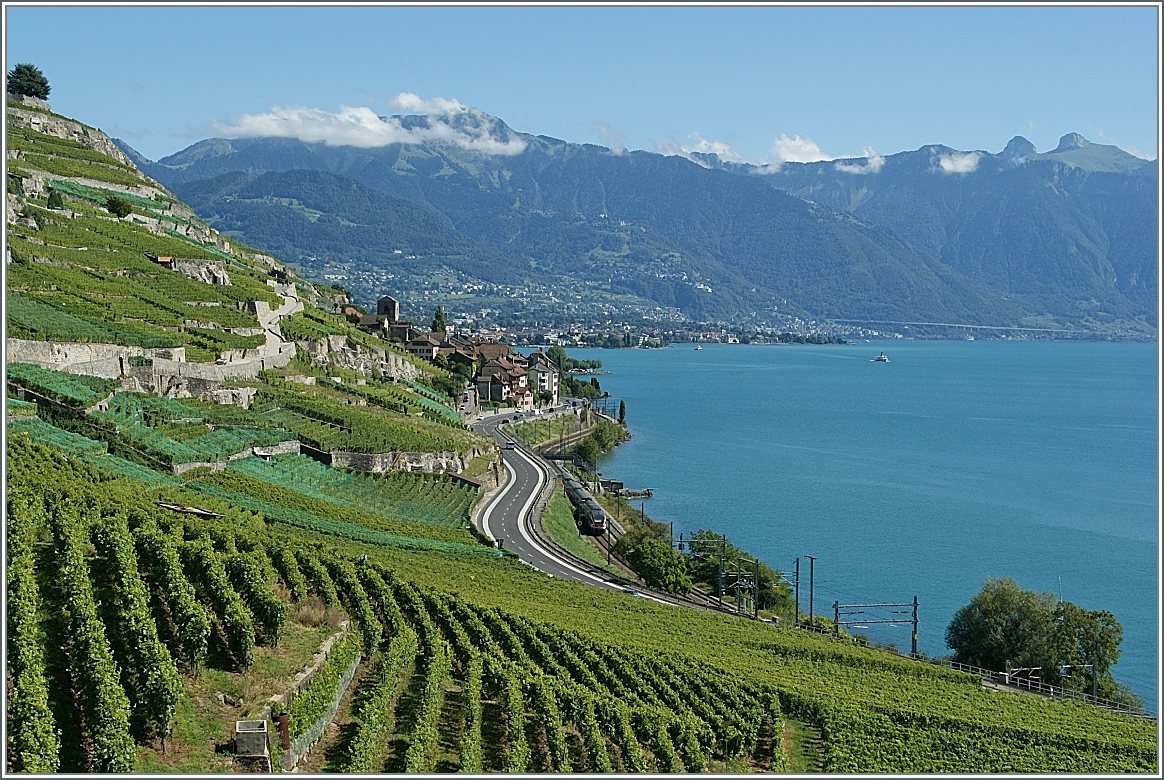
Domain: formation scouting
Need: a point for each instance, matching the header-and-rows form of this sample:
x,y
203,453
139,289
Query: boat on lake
x,y
698,348
881,358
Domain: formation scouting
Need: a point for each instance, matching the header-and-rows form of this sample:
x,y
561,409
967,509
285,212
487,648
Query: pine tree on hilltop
x,y
27,79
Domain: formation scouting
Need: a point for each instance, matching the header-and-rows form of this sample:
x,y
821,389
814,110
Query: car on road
x,y
631,592
509,445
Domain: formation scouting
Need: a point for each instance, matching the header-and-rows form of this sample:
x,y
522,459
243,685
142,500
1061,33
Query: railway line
x,y
511,517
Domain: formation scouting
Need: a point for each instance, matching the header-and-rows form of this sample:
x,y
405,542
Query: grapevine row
x,y
251,580
373,714
421,753
208,574
33,742
507,684
356,602
148,671
104,705
288,569
188,618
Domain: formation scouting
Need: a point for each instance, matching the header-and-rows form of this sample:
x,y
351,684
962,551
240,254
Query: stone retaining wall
x,y
283,448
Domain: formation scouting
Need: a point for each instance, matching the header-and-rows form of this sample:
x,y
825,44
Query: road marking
x,y
533,543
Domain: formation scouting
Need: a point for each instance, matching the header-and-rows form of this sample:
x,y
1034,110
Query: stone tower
x,y
388,307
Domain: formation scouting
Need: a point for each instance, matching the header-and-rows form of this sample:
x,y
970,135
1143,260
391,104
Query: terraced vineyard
x,y
457,660
165,432
435,499
328,424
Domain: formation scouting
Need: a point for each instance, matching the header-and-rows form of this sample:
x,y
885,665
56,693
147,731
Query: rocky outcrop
x,y
206,271
160,371
59,127
342,352
282,448
380,462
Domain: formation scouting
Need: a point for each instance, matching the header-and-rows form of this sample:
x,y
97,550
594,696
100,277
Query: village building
x,y
543,376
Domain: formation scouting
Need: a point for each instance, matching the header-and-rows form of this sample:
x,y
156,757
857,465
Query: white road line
x,y
497,501
533,543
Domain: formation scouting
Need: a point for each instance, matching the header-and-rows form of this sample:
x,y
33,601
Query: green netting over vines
x,y
38,430
294,517
113,464
72,389
18,408
432,499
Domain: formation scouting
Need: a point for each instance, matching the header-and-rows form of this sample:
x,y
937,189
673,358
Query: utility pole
x,y
798,591
739,594
913,647
756,585
722,558
811,562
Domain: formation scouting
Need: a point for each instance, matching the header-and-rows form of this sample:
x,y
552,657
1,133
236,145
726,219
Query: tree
x,y
27,79
441,360
557,356
55,201
119,207
660,566
622,412
588,450
1004,622
438,320
775,594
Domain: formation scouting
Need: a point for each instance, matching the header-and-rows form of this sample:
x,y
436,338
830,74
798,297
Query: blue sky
x,y
759,84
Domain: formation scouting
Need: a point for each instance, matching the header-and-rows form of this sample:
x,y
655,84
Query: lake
x,y
954,461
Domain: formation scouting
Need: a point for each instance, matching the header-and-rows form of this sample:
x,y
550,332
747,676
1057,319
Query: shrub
x,y
119,207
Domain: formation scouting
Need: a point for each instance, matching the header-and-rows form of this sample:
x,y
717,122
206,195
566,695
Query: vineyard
x,y
433,499
81,275
454,661
165,432
328,424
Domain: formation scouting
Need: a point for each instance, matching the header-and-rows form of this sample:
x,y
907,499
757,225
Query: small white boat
x,y
698,348
881,358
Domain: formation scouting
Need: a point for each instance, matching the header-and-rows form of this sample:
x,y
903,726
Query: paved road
x,y
507,517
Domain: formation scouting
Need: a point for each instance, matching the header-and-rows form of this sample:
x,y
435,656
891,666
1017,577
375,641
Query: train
x,y
589,515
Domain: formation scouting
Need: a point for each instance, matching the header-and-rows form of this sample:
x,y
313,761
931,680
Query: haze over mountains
x,y
1065,238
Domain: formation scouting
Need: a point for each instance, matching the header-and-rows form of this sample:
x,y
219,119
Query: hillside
x,y
184,541
1062,239
1074,228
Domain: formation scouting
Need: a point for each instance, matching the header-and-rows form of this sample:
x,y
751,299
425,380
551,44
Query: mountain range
x,y
1064,239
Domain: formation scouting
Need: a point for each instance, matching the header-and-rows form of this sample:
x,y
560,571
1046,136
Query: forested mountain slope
x,y
1063,238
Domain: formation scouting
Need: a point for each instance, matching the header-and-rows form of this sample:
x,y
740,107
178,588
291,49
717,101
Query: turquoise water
x,y
955,461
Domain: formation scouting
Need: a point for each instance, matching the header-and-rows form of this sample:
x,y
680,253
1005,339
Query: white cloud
x,y
611,137
701,145
873,163
797,149
449,120
959,162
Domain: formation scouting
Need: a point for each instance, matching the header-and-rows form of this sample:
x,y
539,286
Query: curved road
x,y
508,514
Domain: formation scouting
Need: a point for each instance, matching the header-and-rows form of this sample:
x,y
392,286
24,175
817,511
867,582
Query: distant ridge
x,y
1062,238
